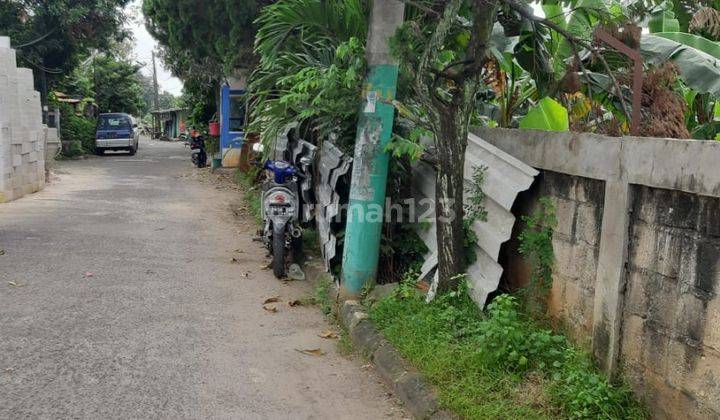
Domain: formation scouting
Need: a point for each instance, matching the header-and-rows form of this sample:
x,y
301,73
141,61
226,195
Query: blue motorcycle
x,y
281,211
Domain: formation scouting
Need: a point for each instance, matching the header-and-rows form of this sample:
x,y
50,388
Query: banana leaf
x,y
547,115
691,40
699,70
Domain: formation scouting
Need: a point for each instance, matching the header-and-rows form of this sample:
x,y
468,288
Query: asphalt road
x,y
119,299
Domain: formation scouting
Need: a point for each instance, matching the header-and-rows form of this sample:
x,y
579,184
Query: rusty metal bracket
x,y
633,54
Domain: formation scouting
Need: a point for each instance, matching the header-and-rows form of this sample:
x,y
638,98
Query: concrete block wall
x,y
578,204
652,206
576,243
22,134
671,323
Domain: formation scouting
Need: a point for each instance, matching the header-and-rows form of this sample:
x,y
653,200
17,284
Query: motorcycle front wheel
x,y
278,253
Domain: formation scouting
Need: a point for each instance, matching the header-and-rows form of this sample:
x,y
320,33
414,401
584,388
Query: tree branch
x,y
574,42
422,7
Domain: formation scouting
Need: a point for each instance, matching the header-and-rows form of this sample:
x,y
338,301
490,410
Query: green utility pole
x,y
370,163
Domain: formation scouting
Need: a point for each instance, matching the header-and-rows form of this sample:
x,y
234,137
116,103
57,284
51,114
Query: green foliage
x,y
60,33
116,85
537,249
251,193
474,212
311,68
212,145
77,128
203,42
401,250
409,146
497,364
548,114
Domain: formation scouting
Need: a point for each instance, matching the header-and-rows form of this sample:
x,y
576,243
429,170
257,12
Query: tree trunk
x,y
451,142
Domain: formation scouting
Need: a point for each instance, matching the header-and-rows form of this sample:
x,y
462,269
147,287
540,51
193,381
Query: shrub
x,y
77,128
483,362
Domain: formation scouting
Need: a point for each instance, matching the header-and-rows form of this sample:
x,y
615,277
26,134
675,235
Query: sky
x,y
144,45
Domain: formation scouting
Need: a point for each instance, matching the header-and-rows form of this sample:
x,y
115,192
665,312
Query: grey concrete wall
x,y
671,321
22,134
579,204
655,310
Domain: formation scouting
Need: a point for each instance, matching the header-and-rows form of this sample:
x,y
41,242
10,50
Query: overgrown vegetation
x,y
498,363
474,212
537,249
251,192
311,66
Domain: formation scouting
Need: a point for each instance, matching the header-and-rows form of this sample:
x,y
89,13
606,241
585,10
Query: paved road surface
x,y
167,326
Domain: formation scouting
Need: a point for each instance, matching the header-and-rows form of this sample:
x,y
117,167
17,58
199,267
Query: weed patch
x,y
251,192
498,363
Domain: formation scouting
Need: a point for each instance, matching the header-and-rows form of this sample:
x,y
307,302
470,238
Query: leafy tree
x,y
202,43
445,48
311,64
116,85
52,36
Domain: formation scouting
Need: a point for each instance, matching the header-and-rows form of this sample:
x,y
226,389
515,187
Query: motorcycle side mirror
x,y
257,147
305,160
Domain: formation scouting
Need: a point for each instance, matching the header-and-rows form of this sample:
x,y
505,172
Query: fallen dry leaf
x,y
422,286
2,252
272,300
269,308
329,334
15,284
234,260
312,352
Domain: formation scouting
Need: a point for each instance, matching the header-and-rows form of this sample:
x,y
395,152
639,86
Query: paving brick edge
x,y
398,374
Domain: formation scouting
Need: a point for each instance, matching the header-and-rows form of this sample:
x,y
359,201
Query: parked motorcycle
x,y
281,211
199,156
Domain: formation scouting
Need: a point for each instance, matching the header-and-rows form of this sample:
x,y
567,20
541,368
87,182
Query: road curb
x,y
406,382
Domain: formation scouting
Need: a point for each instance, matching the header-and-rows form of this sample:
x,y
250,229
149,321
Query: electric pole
x,y
370,163
156,99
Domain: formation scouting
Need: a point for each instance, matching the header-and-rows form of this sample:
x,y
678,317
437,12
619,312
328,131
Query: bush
x,y
498,363
77,128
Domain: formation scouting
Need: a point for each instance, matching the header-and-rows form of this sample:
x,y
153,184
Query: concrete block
x,y
636,299
632,343
351,313
565,211
590,191
578,307
585,258
711,339
564,263
668,248
690,322
642,253
365,337
388,363
417,395
587,226
703,382
556,298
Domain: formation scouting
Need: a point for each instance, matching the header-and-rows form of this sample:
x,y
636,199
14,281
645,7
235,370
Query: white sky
x,y
144,45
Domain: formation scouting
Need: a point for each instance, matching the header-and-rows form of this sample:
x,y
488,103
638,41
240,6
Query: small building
x,y
169,123
233,105
85,107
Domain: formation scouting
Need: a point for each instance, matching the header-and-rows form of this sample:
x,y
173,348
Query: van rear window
x,y
113,123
